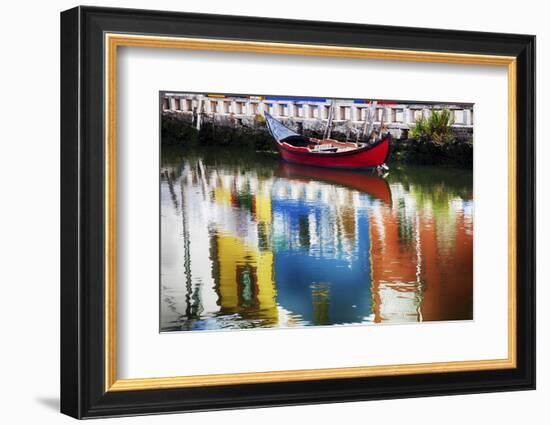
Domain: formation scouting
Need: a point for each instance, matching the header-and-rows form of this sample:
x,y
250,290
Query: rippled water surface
x,y
248,241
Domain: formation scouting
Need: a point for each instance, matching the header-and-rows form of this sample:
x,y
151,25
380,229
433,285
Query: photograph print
x,y
282,211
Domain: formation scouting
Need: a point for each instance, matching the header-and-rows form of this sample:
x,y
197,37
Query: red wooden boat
x,y
299,149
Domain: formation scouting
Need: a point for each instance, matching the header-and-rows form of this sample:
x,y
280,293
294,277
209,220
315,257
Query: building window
x,y
255,109
416,114
299,111
344,112
282,110
226,107
397,115
459,116
213,106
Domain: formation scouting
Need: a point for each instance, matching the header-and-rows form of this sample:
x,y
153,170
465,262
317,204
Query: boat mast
x,y
382,121
328,130
369,119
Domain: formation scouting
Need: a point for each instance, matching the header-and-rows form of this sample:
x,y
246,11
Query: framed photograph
x,y
261,212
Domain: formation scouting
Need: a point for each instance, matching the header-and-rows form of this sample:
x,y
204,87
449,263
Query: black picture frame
x,y
83,392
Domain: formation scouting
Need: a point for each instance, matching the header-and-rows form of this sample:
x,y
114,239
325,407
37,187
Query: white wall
x,y
29,225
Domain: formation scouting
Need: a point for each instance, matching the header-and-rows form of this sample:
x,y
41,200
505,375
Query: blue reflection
x,y
327,282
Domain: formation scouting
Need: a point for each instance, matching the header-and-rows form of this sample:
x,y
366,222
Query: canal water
x,y
248,241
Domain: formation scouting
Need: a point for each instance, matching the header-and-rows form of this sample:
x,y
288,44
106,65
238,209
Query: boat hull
x,y
368,157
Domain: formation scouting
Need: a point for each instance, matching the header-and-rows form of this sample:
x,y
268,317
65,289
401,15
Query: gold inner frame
x,y
113,41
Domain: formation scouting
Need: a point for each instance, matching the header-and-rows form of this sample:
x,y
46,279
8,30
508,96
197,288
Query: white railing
x,y
399,115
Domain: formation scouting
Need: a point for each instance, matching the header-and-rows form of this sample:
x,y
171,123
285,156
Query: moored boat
x,y
299,149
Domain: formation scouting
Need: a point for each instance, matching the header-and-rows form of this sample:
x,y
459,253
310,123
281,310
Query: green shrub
x,y
436,128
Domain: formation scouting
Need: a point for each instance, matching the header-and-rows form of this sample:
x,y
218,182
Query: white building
x,y
397,116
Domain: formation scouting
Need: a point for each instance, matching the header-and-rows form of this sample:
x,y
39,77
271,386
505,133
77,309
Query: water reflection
x,y
253,242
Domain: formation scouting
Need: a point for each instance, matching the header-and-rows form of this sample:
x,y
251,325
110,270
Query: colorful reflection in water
x,y
253,242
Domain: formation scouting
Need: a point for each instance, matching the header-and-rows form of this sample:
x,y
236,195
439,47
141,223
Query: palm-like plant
x,y
419,131
436,128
